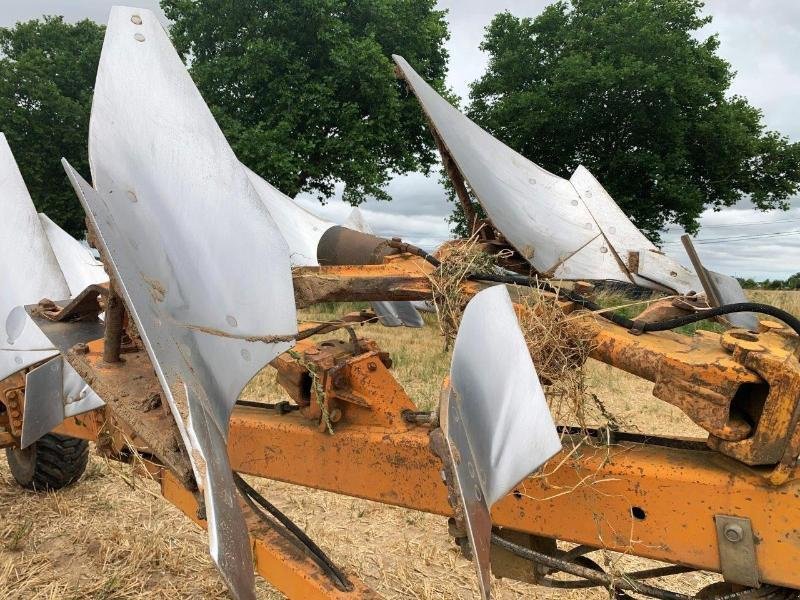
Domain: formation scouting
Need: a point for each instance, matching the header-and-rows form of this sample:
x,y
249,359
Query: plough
x,y
202,267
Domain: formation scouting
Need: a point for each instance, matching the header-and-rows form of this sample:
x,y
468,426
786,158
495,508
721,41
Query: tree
x,y
305,89
626,88
47,73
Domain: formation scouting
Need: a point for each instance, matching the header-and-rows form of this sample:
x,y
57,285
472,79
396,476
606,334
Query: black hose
x,y
252,497
636,575
622,582
515,279
600,577
701,315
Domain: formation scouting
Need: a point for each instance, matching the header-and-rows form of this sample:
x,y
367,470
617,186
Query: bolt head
x,y
372,366
733,533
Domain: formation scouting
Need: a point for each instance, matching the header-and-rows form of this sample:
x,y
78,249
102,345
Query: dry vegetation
x,y
113,537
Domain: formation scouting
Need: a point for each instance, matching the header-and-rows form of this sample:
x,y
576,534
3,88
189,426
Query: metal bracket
x,y
737,551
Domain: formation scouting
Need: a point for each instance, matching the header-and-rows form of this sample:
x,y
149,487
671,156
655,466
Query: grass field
x,y
113,537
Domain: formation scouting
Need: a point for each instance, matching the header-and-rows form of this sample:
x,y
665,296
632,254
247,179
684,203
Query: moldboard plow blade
x,y
41,263
29,271
301,229
176,217
494,417
567,229
54,391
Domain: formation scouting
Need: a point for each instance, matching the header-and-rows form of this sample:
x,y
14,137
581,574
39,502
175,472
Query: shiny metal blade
x,y
203,270
29,271
495,418
565,229
389,313
76,262
301,229
721,289
53,392
624,239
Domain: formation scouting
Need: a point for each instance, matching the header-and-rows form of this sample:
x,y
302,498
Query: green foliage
x,y
790,283
47,73
626,89
305,89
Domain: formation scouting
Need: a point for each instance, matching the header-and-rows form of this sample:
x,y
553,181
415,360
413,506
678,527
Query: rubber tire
x,y
53,462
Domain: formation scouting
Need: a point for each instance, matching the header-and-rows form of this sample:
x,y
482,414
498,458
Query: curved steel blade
x,y
76,262
566,229
495,418
390,313
29,271
301,229
624,239
204,272
53,392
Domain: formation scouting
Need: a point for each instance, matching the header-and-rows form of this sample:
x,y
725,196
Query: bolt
x,y
16,423
136,20
372,366
336,415
733,533
15,413
80,348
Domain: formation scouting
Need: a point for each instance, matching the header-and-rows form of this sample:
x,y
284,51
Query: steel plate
x,y
203,270
496,418
29,271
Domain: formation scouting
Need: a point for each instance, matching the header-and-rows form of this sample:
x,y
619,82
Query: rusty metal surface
x,y
134,396
12,396
344,246
391,314
279,560
695,373
588,500
86,306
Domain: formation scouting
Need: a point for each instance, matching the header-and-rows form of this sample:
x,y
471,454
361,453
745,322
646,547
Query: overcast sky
x,y
761,39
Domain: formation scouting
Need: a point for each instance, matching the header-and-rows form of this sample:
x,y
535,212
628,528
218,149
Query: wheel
x,y
53,462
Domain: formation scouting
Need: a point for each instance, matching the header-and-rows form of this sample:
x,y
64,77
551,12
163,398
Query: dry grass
x,y
113,537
